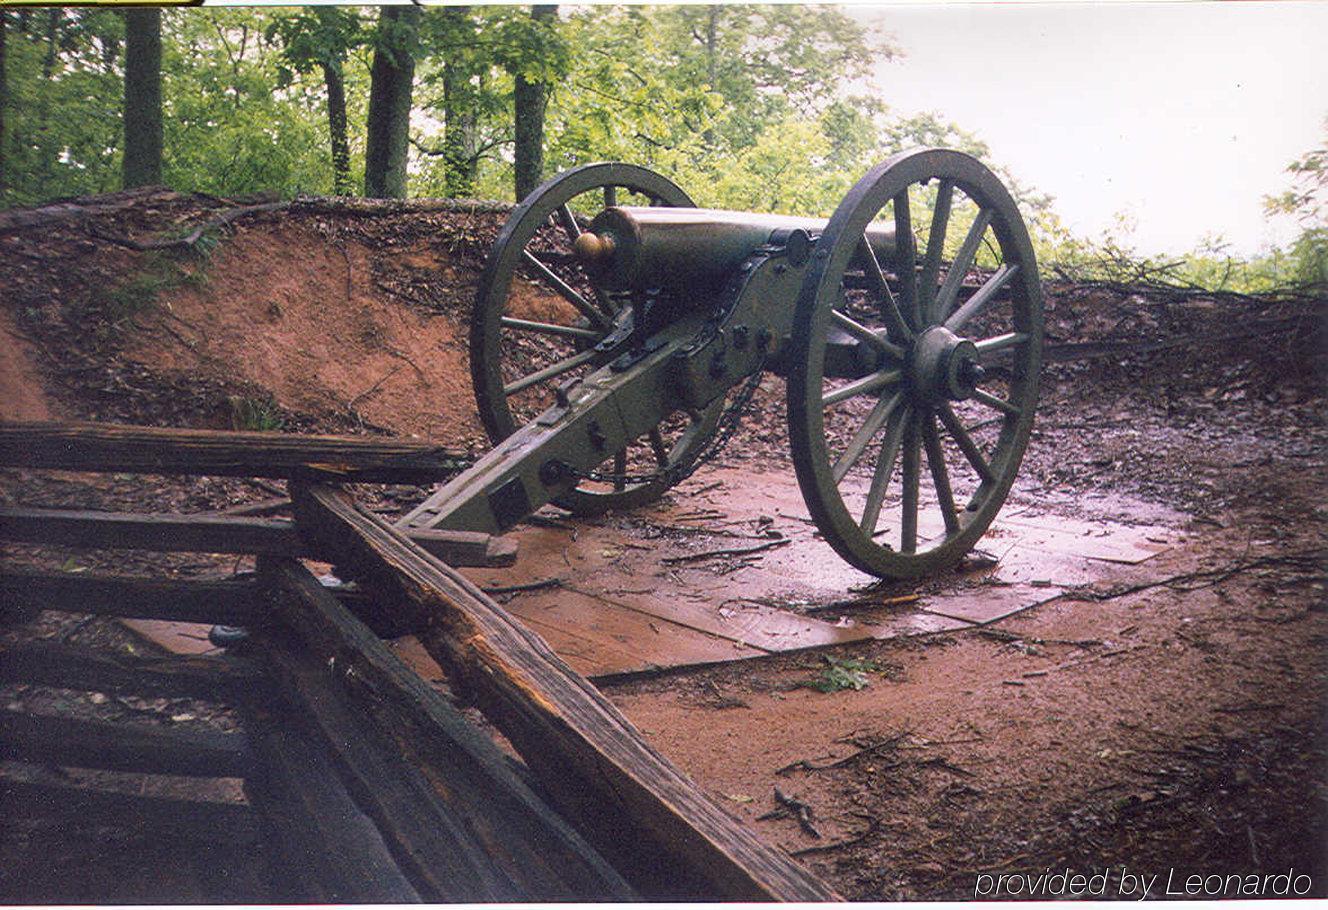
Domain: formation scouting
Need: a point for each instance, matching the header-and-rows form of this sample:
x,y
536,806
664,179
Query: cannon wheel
x,y
952,375
521,352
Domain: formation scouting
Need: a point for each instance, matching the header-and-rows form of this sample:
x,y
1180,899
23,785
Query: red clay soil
x,y
1169,731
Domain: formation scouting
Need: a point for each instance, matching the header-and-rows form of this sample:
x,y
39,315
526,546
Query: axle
x,y
692,249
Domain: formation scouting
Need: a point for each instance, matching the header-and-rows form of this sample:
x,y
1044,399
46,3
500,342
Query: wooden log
x,y
529,845
50,663
642,813
191,821
153,450
120,747
228,602
173,533
328,850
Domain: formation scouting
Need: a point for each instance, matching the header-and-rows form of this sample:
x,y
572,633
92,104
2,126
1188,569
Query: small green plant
x,y
262,414
161,273
846,673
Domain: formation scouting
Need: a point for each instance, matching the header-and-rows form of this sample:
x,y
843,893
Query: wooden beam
x,y
121,747
192,821
530,846
227,602
325,849
51,663
205,533
152,450
653,822
162,532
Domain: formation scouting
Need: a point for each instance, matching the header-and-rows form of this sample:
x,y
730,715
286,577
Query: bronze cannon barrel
x,y
693,249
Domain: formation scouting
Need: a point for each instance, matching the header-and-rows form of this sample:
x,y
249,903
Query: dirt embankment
x,y
307,318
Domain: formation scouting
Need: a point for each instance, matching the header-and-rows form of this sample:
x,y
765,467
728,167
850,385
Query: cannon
x,y
620,332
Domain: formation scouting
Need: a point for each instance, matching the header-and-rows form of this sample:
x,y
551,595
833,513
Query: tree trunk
x,y
142,97
391,78
529,101
336,128
459,121
4,99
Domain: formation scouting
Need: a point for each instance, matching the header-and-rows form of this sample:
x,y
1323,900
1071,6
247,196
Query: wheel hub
x,y
944,367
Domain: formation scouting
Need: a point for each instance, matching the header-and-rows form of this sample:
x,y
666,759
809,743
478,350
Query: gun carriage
x,y
619,332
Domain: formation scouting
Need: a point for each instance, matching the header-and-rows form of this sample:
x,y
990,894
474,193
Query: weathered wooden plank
x,y
429,841
192,821
162,532
329,851
528,844
121,747
228,602
637,808
209,533
153,450
50,663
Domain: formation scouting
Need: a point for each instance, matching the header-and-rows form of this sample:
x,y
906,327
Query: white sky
x,y
1181,115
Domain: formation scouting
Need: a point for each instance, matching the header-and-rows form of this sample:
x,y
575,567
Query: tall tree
x,y
322,37
142,97
391,80
530,96
456,40
4,98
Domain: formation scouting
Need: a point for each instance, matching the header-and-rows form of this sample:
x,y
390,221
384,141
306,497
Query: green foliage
x,y
229,128
1307,202
839,674
262,414
65,80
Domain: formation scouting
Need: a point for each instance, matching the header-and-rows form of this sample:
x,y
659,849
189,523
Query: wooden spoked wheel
x,y
905,455
538,318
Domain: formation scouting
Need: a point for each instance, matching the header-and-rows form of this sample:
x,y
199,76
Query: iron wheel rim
x,y
917,423
550,205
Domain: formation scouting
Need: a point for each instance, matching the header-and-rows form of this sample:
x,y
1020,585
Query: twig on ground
x,y
728,552
873,825
527,586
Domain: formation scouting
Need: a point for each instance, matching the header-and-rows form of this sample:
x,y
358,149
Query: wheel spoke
x,y
954,278
555,369
869,383
939,475
884,408
657,446
862,333
931,266
568,221
906,255
894,321
984,296
912,468
999,404
610,196
548,328
620,468
1000,342
568,293
965,442
885,466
